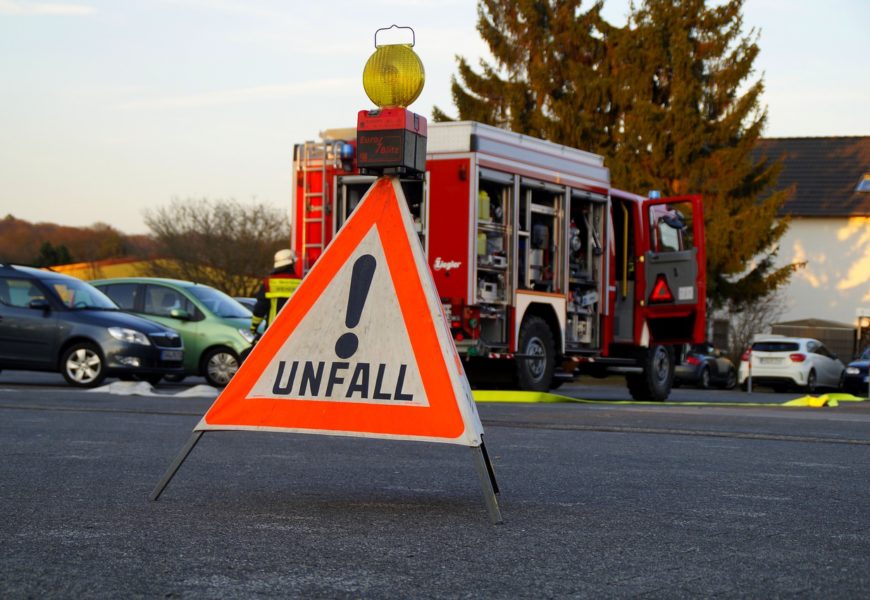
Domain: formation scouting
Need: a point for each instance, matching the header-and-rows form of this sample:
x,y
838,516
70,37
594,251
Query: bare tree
x,y
222,243
749,319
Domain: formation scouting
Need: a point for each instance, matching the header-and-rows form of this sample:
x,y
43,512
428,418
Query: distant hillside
x,y
24,242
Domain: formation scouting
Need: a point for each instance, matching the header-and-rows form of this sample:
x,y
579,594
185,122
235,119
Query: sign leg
x,y
487,482
170,472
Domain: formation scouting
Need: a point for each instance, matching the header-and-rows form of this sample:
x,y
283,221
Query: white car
x,y
785,362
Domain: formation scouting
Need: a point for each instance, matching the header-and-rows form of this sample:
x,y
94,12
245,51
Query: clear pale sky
x,y
108,107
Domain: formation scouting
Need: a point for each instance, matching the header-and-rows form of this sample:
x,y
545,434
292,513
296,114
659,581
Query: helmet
x,y
284,258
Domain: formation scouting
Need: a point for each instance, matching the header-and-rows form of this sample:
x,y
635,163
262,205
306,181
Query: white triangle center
x,y
381,370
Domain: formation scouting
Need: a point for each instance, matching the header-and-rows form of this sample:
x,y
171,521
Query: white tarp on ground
x,y
143,388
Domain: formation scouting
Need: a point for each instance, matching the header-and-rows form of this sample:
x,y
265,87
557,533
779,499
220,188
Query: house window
x,y
864,184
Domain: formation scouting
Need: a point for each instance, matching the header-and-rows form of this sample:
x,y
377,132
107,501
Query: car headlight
x,y
852,370
129,335
246,333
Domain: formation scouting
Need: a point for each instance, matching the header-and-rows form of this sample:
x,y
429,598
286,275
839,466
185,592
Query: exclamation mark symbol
x,y
360,282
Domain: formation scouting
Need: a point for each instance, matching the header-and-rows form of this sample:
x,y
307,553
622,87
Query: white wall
x,y
836,279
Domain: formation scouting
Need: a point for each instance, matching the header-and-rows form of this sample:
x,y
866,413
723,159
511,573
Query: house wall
x,y
836,279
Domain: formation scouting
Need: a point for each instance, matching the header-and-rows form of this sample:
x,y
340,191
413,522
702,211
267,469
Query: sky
x,y
109,108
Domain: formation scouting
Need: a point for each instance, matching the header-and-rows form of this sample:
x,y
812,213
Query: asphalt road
x,y
598,500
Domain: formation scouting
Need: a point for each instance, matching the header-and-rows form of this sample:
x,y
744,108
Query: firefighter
x,y
275,289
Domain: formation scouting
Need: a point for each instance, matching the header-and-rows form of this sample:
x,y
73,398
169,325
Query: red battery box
x,y
391,141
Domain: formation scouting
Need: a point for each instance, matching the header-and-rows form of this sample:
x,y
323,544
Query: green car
x,y
215,328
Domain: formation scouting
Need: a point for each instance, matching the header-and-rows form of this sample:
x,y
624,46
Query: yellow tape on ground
x,y
519,397
824,400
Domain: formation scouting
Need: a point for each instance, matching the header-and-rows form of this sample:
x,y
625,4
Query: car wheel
x,y
83,365
704,379
536,341
219,365
731,381
811,383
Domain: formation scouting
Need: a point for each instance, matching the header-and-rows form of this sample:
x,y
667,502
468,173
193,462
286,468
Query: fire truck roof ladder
x,y
315,207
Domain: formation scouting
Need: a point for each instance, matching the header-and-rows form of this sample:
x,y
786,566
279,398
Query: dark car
x,y
856,377
248,303
53,322
705,366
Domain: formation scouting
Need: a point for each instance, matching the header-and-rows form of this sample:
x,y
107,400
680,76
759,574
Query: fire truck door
x,y
622,213
674,259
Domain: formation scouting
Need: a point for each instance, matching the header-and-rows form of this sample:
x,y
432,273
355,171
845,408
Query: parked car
x,y
53,322
705,366
215,328
785,362
856,377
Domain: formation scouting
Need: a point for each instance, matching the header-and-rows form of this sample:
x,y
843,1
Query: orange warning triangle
x,y
362,347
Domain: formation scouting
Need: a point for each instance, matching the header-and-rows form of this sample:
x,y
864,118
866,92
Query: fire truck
x,y
545,271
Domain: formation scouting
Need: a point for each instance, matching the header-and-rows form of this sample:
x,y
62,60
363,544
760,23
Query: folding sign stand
x,y
482,464
387,369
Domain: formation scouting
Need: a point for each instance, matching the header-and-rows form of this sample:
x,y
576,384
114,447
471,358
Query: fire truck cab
x,y
544,270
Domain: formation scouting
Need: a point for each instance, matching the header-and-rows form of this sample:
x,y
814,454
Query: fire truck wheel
x,y
658,374
536,341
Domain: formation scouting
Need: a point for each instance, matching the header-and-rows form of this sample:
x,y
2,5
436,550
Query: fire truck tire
x,y
536,339
657,377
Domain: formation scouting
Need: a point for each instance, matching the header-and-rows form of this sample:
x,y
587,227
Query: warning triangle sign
x,y
362,347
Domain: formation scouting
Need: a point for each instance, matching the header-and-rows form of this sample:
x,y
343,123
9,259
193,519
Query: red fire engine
x,y
544,270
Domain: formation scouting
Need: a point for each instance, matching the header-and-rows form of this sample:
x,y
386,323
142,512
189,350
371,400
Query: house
x,y
830,225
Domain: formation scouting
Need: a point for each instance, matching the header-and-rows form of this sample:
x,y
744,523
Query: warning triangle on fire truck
x,y
361,348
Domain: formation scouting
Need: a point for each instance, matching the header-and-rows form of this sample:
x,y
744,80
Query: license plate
x,y
171,355
769,361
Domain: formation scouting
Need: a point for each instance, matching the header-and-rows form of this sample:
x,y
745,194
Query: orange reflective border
x,y
442,418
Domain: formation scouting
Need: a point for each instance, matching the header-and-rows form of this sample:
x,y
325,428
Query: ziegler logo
x,y
441,265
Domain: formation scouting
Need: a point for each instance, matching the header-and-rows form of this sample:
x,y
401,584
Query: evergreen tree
x,y
50,255
662,99
686,127
550,79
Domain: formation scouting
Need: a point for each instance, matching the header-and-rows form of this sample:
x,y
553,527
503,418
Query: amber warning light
x,y
391,140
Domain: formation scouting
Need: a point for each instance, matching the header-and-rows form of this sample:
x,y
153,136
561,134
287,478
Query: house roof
x,y
825,172
815,323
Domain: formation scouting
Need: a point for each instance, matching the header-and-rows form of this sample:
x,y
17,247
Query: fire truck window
x,y
671,227
668,237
